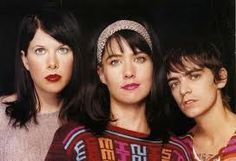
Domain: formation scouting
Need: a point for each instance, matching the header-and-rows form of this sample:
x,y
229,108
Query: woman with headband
x,y
118,120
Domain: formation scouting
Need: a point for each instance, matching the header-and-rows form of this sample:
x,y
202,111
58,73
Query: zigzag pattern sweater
x,y
74,142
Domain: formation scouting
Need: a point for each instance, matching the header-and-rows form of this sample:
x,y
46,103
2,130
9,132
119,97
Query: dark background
x,y
174,20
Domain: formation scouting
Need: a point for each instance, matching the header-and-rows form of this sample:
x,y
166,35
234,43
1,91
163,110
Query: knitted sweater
x,y
21,144
74,142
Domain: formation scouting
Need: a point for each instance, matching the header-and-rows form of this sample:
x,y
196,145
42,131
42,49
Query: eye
x,y
174,84
140,59
115,62
40,51
194,76
63,50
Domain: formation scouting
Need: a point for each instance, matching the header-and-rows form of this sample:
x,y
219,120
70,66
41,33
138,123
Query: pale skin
x,y
129,80
46,56
198,96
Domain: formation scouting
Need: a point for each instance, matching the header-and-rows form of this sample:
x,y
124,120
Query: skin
x,y
198,96
129,80
46,56
195,90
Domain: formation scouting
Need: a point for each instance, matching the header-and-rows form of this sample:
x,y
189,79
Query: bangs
x,y
180,60
133,39
184,64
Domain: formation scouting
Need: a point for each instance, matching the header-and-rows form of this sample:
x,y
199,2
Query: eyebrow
x,y
171,79
112,56
185,74
193,70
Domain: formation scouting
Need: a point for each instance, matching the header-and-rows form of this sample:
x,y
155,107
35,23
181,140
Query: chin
x,y
190,112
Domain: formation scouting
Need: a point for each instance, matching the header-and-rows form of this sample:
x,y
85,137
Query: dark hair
x,y
61,25
95,112
202,54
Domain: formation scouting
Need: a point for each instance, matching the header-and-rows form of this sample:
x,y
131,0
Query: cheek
x,y
149,77
146,71
67,66
35,67
176,97
112,78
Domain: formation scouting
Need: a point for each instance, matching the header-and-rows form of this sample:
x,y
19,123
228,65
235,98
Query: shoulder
x,y
58,149
8,98
68,131
3,102
179,147
4,119
65,138
70,127
3,107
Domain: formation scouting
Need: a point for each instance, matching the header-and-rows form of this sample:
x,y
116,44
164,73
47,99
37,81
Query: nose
x,y
185,88
53,61
129,70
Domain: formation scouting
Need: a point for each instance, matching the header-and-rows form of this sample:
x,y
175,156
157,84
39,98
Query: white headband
x,y
117,26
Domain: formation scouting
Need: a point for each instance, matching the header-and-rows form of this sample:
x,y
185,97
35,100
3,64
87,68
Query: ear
x,y
101,74
24,60
223,75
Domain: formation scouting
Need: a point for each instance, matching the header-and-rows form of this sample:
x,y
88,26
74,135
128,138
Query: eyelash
x,y
63,48
140,59
114,62
194,76
39,51
173,85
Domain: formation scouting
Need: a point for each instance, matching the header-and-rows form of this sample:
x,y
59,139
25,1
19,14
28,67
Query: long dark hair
x,y
95,111
63,26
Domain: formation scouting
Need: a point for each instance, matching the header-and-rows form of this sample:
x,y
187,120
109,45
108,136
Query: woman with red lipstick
x,y
119,117
47,69
196,79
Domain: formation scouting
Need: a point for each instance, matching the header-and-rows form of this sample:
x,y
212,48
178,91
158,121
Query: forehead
x,y
183,68
183,65
42,38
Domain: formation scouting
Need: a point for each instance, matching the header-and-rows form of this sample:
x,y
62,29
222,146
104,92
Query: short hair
x,y
61,25
202,54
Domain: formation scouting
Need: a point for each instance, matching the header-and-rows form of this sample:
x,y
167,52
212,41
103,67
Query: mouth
x,y
131,86
53,77
189,102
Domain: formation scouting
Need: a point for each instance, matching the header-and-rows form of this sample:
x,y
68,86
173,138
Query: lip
x,y
131,86
189,102
53,77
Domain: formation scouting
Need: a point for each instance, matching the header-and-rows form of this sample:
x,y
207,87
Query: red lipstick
x,y
130,86
53,77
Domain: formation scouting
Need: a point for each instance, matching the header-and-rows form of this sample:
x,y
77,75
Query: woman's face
x,y
49,63
127,75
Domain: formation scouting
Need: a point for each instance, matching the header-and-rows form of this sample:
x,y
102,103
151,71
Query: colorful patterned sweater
x,y
227,153
74,142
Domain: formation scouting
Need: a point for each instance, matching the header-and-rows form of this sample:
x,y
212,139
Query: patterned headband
x,y
117,26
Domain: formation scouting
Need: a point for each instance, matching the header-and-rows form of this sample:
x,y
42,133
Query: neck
x,y
130,117
214,129
216,121
216,124
48,103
